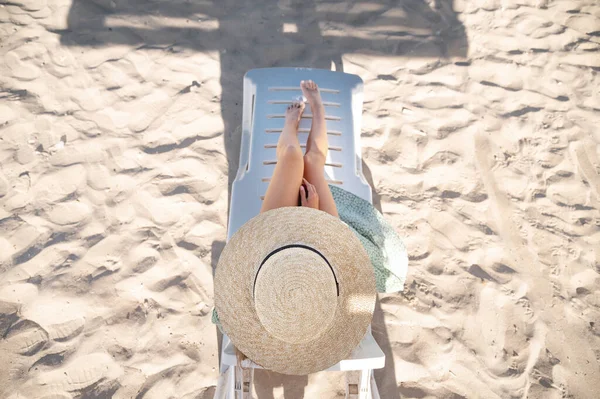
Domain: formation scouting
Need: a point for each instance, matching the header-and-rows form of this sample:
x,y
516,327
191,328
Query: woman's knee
x,y
289,154
314,159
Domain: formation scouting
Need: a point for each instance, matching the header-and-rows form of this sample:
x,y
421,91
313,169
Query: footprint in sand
x,y
25,338
586,167
148,109
26,242
80,374
571,193
68,213
141,258
67,330
3,186
30,5
78,153
103,258
19,69
62,62
55,186
6,115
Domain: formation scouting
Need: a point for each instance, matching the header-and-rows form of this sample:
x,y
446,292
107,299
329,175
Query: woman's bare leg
x,y
316,148
287,177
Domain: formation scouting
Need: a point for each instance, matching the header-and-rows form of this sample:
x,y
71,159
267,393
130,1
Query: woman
x,y
297,174
295,287
301,174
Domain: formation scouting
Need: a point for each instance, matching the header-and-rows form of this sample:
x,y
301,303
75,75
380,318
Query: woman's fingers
x,y
302,196
309,186
308,195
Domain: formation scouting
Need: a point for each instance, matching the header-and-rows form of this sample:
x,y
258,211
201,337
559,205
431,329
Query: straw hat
x,y
295,290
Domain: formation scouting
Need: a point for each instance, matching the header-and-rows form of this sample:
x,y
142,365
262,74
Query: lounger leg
x,y
226,385
358,385
243,383
374,390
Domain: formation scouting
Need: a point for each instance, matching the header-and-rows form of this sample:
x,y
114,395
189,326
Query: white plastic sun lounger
x,y
267,93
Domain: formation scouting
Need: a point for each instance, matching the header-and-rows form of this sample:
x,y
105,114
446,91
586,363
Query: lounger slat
x,y
289,102
298,89
332,164
277,110
277,97
304,130
331,148
336,182
305,116
333,157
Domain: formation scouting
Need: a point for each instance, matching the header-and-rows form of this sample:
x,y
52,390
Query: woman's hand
x,y
308,195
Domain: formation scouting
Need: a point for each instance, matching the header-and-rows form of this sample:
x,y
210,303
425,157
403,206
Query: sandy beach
x,y
119,140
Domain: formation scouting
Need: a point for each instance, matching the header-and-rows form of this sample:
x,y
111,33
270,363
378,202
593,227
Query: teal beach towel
x,y
385,248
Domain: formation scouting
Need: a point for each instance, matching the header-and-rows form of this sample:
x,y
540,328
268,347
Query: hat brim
x,y
234,279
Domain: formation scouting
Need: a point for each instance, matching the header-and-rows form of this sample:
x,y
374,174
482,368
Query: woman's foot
x,y
288,139
294,113
312,94
317,143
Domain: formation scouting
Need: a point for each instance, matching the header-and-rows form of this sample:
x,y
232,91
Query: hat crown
x,y
295,294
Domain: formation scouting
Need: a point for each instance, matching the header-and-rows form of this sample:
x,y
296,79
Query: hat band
x,y
337,285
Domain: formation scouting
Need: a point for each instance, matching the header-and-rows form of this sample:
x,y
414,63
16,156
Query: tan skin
x,y
297,173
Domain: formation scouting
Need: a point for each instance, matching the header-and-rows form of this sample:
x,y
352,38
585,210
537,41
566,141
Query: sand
x,y
119,139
